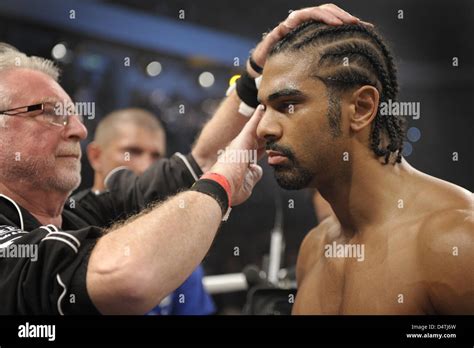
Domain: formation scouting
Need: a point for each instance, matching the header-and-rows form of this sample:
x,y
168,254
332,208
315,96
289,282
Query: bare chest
x,y
378,276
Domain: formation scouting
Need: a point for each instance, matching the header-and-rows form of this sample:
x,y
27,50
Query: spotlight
x,y
153,68
206,79
59,51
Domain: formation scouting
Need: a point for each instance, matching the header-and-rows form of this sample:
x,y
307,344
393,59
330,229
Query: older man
x,y
79,269
134,264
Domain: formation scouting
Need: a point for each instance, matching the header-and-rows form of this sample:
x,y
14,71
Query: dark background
x,y
212,34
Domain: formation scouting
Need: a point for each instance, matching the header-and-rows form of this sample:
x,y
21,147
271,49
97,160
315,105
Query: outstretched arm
x,y
134,266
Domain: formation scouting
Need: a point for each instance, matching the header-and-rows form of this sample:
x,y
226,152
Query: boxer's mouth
x,y
275,158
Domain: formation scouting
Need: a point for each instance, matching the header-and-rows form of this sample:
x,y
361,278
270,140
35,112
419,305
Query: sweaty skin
x,y
416,230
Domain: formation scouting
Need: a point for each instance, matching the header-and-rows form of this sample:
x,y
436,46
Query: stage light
x,y
206,79
153,68
59,51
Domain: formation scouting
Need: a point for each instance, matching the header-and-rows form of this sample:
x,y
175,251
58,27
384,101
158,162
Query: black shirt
x,y
43,268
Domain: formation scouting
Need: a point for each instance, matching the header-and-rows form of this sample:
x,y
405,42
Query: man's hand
x,y
238,162
227,121
327,13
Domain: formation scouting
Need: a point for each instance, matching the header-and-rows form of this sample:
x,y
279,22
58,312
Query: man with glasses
x,y
84,264
50,112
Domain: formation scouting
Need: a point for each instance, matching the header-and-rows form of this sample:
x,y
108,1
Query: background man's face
x,y
296,121
34,153
134,147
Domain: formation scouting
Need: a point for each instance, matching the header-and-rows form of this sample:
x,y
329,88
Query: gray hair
x,y
11,58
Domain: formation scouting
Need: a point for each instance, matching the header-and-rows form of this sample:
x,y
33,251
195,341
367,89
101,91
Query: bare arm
x,y
227,121
157,252
136,265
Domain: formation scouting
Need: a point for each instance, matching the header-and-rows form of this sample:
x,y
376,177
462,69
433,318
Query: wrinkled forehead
x,y
294,70
26,87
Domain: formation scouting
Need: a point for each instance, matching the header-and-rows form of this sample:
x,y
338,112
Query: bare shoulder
x,y
440,194
313,243
449,217
445,247
446,229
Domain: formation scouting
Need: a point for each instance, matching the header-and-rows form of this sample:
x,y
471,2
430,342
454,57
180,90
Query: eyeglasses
x,y
49,112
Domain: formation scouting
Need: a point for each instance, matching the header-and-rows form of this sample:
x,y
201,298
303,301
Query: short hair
x,y
371,63
11,58
108,127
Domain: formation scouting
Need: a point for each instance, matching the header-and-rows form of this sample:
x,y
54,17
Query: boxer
x,y
400,241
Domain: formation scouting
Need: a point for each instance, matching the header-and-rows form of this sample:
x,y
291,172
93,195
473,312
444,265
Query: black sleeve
x,y
44,271
128,194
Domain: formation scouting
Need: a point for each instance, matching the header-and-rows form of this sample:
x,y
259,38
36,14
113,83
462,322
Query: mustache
x,y
283,149
69,150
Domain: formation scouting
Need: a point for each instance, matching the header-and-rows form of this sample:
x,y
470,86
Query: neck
x,y
98,183
368,193
46,207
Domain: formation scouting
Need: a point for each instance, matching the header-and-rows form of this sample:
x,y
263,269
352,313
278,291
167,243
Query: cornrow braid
x,y
371,63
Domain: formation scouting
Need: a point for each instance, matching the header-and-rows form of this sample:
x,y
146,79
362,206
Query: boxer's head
x,y
36,149
322,86
130,137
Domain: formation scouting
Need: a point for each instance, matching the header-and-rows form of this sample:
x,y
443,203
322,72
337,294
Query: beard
x,y
294,178
38,172
291,176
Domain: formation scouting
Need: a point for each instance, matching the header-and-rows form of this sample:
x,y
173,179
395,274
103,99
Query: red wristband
x,y
221,180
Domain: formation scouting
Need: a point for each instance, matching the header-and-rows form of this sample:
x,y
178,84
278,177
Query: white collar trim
x,y
22,225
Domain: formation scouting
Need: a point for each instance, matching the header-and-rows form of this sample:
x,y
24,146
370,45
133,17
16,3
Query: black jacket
x,y
43,268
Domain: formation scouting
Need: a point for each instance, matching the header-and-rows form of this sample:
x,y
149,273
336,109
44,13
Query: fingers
x,y
252,177
252,124
261,148
341,14
256,173
367,24
261,51
317,13
328,13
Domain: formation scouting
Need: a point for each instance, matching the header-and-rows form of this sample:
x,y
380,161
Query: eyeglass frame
x,y
41,106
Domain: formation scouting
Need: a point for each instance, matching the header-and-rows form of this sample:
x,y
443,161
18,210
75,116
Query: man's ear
x,y
365,101
94,151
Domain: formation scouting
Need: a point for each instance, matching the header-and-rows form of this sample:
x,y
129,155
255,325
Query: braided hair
x,y
371,63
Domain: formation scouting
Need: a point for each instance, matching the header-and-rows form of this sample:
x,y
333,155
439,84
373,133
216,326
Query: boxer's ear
x,y
364,102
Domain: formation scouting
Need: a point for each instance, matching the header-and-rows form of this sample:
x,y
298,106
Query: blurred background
x,y
173,55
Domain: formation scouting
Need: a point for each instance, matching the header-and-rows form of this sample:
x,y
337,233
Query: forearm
x,y
224,126
133,267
